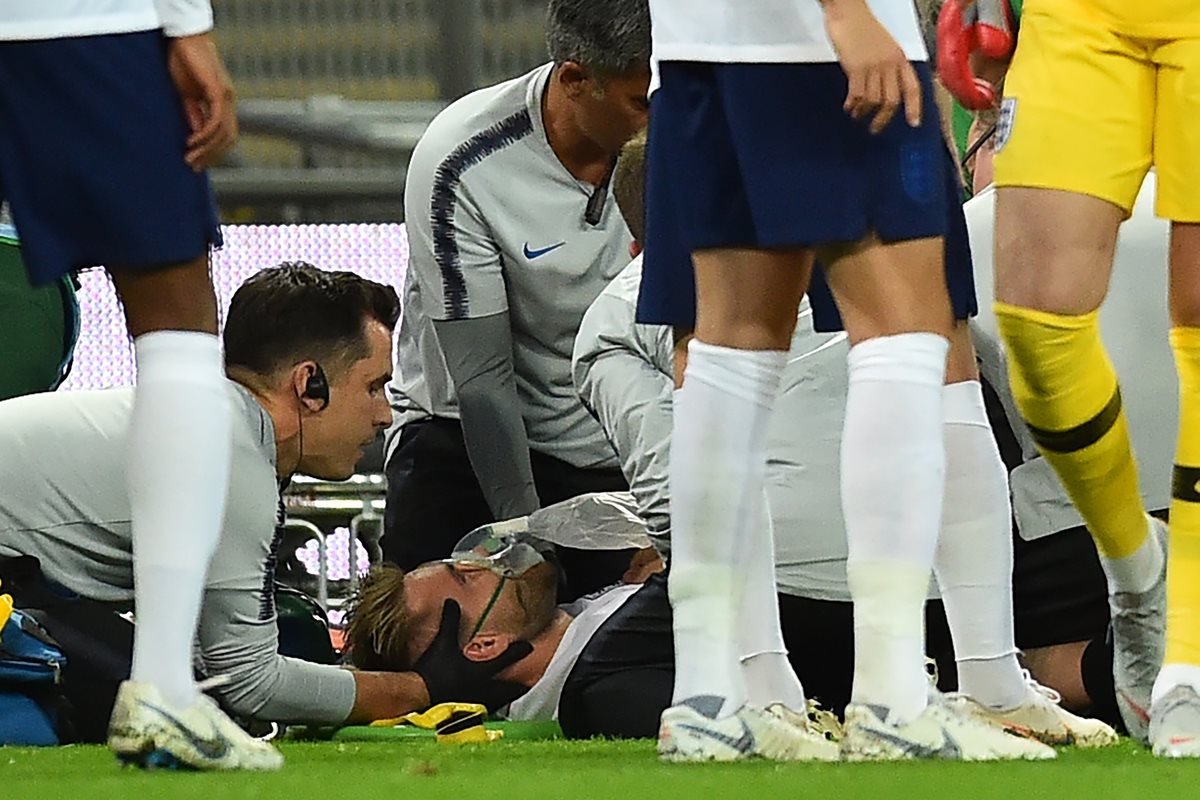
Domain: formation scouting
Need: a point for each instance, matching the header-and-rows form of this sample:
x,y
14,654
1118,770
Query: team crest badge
x,y
1004,123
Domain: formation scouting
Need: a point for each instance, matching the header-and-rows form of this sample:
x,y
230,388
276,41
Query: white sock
x,y
893,478
1172,675
765,667
1137,571
974,557
718,459
178,477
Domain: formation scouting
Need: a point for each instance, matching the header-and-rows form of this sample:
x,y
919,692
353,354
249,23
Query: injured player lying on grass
x,y
603,665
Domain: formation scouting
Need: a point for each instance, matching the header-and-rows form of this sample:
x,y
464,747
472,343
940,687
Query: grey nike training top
x,y
502,267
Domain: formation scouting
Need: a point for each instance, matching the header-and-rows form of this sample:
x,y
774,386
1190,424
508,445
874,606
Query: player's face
x,y
614,109
524,606
358,409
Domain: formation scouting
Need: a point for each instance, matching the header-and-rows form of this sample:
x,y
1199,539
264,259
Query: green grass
x,y
423,770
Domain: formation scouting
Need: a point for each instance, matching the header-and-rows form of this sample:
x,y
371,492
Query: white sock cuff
x,y
962,404
752,375
918,358
178,356
775,652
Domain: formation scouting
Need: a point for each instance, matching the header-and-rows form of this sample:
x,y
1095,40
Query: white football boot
x,y
1175,724
1139,642
1041,717
144,731
943,731
689,732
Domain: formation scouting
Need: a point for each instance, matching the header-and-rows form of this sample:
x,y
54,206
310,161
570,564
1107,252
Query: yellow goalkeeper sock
x,y
1066,390
1183,559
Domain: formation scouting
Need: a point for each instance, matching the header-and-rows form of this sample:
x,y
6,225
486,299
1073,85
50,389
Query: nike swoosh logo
x,y
1181,739
742,744
948,748
1141,712
541,251
215,747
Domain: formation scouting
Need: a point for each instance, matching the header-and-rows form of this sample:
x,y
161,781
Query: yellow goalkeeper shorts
x,y
1088,108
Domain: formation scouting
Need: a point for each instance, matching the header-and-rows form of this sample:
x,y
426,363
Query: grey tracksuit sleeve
x,y
479,357
236,643
622,371
238,637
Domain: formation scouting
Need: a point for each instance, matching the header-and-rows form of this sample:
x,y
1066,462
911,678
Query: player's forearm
x,y
843,9
386,695
478,355
632,401
184,17
498,447
622,374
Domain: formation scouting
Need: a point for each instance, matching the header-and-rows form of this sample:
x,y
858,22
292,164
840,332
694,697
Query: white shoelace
x,y
1045,691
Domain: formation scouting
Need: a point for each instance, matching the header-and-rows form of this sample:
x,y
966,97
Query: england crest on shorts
x,y
1004,123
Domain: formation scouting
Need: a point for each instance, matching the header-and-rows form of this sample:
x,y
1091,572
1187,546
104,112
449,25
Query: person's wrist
x,y
420,692
204,37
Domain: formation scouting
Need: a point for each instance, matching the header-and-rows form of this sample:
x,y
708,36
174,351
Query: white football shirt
x,y
766,31
57,19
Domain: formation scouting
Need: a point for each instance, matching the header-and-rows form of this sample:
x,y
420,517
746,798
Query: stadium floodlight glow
x,y
104,355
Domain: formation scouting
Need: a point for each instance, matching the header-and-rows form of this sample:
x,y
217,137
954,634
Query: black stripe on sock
x,y
1083,435
1184,482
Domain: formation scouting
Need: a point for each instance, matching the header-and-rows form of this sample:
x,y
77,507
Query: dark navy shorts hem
x,y
960,269
763,155
92,140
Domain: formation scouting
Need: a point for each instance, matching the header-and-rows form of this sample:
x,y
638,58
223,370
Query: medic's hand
x,y
452,677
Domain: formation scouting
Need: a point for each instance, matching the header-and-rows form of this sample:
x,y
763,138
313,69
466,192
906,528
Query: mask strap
x,y
488,608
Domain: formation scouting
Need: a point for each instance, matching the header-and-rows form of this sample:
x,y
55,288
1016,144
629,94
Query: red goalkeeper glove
x,y
965,28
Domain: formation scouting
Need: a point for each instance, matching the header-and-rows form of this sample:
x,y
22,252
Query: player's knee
x,y
1039,341
1060,375
1054,250
1185,275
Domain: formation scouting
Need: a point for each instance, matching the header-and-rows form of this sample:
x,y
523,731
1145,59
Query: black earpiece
x,y
317,387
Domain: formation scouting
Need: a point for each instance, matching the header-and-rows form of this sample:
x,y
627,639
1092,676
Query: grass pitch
x,y
425,770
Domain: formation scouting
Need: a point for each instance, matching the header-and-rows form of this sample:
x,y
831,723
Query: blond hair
x,y
378,628
629,185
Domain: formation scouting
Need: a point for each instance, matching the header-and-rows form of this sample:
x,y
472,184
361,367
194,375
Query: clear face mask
x,y
499,552
506,554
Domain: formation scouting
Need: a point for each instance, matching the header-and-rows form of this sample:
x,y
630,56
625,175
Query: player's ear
x,y
311,386
486,646
573,78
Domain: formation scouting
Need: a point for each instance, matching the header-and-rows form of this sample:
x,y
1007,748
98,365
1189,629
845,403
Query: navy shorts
x,y
92,139
763,155
960,270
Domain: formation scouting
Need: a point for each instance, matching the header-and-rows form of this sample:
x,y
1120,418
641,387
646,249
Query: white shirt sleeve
x,y
185,17
623,374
